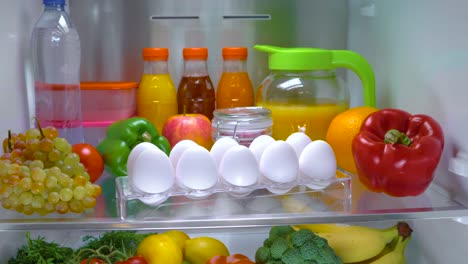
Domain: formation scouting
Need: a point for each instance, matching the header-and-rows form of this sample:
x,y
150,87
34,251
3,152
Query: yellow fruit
x,y
199,250
353,243
178,236
341,132
160,248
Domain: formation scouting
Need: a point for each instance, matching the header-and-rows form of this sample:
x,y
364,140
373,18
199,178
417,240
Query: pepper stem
x,y
146,137
394,136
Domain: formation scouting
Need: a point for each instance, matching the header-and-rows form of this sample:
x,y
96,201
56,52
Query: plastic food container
x,y
106,101
243,124
95,132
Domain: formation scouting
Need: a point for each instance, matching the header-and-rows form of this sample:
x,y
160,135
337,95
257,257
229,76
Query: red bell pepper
x,y
397,153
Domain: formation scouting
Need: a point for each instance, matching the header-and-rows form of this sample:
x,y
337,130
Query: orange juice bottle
x,y
156,96
234,88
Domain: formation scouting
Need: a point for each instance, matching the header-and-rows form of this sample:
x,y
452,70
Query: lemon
x,y
178,236
160,248
199,250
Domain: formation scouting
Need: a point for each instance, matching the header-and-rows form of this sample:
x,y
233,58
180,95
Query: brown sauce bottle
x,y
196,93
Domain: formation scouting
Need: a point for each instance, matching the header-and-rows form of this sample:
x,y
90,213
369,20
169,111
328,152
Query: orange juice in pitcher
x,y
303,92
311,119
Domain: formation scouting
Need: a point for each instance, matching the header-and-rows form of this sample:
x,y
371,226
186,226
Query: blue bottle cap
x,y
51,2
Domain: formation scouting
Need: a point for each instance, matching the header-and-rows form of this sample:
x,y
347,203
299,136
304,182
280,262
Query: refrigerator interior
x,y
418,50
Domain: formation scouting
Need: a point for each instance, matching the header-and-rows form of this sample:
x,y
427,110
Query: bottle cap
x,y
155,54
50,2
195,53
235,53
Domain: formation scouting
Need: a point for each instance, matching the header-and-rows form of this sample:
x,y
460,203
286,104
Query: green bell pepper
x,y
122,136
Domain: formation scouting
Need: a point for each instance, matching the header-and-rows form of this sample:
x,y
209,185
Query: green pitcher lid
x,y
297,58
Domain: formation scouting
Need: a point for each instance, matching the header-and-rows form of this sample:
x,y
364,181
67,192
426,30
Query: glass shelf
x,y
296,207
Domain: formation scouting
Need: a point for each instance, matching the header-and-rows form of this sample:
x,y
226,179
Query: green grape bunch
x,y
39,173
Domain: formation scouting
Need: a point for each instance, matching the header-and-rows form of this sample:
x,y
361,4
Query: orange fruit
x,y
341,132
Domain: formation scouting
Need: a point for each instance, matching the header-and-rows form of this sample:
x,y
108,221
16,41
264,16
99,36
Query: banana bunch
x,y
365,245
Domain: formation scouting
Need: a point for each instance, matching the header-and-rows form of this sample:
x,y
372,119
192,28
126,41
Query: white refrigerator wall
x,y
18,18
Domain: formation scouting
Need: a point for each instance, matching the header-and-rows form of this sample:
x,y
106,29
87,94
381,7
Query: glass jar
x,y
243,124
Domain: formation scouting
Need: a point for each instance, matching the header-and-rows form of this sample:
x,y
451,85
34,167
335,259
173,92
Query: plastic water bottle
x,y
56,56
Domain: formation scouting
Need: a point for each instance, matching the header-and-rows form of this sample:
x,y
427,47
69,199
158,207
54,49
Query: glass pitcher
x,y
303,92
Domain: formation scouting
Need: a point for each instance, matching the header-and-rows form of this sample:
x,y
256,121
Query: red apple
x,y
195,127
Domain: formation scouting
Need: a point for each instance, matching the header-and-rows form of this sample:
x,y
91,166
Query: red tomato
x,y
91,159
134,260
92,261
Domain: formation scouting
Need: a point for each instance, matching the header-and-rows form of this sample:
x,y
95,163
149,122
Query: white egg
x,y
152,172
178,149
259,144
279,163
136,151
196,169
298,141
318,162
220,147
239,167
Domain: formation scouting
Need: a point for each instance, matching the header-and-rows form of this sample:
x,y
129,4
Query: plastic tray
x,y
335,197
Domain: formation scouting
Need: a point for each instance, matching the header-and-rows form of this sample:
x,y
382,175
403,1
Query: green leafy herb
x,y
112,246
38,251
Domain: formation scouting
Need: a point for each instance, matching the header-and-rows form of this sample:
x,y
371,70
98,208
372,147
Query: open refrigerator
x,y
418,50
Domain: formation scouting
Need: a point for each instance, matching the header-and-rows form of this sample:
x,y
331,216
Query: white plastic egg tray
x,y
267,168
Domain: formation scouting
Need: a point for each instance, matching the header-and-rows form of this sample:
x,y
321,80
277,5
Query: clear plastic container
x,y
243,124
56,55
225,201
108,101
95,132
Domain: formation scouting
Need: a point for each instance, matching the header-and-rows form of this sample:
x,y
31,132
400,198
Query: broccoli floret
x,y
287,246
262,255
292,256
280,231
309,250
301,236
274,261
267,242
278,247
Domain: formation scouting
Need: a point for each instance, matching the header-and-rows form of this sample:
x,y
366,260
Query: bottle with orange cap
x,y
234,88
196,93
156,96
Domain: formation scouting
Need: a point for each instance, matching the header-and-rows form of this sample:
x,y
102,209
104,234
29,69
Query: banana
x,y
388,248
397,255
354,243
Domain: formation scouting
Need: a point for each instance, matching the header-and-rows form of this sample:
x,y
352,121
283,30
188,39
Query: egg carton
x,y
193,172
225,200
